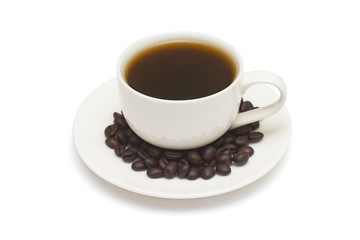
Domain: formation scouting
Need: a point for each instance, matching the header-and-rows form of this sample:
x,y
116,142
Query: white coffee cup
x,y
186,124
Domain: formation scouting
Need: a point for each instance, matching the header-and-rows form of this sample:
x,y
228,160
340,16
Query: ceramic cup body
x,y
186,124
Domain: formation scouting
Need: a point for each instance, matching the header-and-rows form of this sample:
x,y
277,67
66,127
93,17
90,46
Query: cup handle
x,y
261,77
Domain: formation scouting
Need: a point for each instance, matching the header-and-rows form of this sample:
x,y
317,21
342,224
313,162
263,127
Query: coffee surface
x,y
180,71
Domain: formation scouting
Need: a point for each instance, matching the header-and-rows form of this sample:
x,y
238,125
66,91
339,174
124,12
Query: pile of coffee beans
x,y
232,149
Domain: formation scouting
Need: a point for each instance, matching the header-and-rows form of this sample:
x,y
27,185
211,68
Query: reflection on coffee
x,y
180,70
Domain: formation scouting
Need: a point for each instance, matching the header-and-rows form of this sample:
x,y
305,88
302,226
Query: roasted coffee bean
x,y
255,125
134,140
117,115
142,154
224,158
120,121
228,148
122,137
151,162
155,172
154,152
241,103
163,162
218,143
222,151
241,158
193,158
119,150
247,149
209,153
111,130
112,142
183,168
229,138
183,161
129,132
145,146
223,169
246,106
201,165
193,173
207,172
243,130
139,165
170,170
212,163
241,141
172,155
255,137
135,148
129,155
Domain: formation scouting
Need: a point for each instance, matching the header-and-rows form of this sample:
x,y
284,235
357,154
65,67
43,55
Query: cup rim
x,y
148,41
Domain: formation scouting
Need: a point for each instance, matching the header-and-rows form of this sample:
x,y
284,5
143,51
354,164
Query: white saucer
x,y
96,112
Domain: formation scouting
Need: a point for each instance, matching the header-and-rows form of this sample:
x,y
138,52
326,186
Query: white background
x,y
54,53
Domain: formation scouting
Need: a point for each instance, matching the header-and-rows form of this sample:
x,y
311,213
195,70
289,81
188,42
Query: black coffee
x,y
180,70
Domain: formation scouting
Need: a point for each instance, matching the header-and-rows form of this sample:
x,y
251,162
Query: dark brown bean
x,y
183,168
134,140
117,115
145,146
129,132
136,149
112,142
129,155
201,165
123,138
154,152
223,169
212,163
243,130
193,173
142,154
163,162
155,172
222,151
255,137
218,143
224,158
207,172
241,158
255,125
170,170
209,153
121,122
172,155
247,149
151,162
246,106
229,138
139,165
241,103
119,150
193,158
241,141
228,148
111,130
